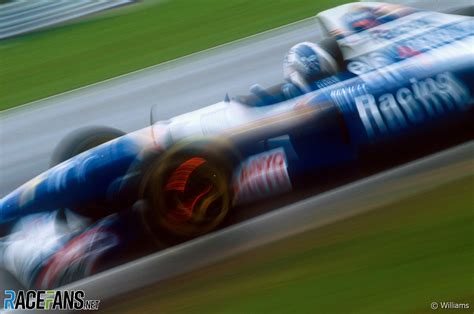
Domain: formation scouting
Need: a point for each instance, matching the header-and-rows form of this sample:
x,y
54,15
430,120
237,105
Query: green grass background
x,y
396,259
48,62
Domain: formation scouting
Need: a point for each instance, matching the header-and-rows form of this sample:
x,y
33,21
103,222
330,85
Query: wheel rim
x,y
195,197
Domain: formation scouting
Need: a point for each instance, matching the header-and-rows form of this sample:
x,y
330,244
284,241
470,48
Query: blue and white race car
x,y
388,81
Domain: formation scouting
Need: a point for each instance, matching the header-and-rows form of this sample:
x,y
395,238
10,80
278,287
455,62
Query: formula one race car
x,y
388,81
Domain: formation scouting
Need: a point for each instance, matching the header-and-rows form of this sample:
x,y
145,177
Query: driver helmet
x,y
307,62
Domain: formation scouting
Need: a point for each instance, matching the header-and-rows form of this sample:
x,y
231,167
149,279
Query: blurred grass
x,y
45,63
397,259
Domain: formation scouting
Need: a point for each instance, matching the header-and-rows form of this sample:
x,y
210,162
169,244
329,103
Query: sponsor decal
x,y
261,176
383,34
48,300
431,39
78,256
411,105
361,18
396,30
369,62
410,47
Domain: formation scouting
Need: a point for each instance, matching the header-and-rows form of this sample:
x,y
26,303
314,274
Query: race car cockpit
x,y
304,65
260,96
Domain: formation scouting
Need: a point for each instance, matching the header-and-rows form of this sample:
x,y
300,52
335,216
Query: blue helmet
x,y
307,62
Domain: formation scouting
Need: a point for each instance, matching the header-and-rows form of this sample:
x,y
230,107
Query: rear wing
x,y
363,27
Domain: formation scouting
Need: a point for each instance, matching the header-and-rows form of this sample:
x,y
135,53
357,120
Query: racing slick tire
x,y
187,191
81,140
